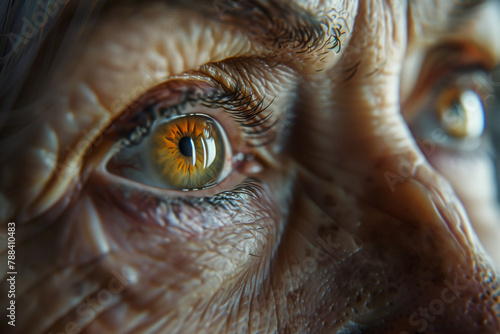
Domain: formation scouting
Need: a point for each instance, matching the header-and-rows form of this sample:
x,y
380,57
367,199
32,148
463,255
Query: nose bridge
x,y
361,167
353,108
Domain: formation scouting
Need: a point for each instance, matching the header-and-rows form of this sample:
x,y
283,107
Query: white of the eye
x,y
474,113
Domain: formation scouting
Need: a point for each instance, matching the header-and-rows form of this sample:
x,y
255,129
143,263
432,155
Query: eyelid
x,y
172,96
441,62
233,180
242,162
182,97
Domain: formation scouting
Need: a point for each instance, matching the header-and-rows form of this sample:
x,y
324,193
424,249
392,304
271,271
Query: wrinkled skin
x,y
324,244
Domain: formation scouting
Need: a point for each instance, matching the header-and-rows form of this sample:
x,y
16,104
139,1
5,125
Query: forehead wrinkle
x,y
314,30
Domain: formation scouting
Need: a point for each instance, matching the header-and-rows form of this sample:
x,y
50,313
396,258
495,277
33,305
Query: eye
x,y
189,152
461,113
187,136
454,114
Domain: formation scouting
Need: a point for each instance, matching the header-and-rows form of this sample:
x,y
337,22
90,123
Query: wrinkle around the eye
x,y
148,47
124,58
48,158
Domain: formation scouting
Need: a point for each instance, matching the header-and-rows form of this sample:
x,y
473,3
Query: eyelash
x,y
229,200
246,110
257,129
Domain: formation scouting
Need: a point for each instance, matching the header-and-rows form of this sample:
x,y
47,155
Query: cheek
x,y
172,265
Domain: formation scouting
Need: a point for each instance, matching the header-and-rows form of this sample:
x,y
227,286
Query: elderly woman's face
x,y
262,166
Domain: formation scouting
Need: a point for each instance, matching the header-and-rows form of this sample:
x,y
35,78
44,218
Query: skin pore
x,y
338,214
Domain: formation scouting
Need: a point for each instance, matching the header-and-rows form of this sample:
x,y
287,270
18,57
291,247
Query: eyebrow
x,y
275,23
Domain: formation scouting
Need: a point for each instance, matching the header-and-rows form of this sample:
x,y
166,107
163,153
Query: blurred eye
x,y
461,113
454,113
189,152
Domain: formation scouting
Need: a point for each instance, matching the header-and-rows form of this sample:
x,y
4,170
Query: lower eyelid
x,y
240,171
173,212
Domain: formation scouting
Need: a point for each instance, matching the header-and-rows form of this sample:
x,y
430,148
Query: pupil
x,y
185,147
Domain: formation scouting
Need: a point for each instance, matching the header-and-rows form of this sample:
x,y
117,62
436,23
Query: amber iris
x,y
189,151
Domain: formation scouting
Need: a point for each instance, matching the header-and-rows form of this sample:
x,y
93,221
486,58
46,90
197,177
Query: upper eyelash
x,y
246,110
